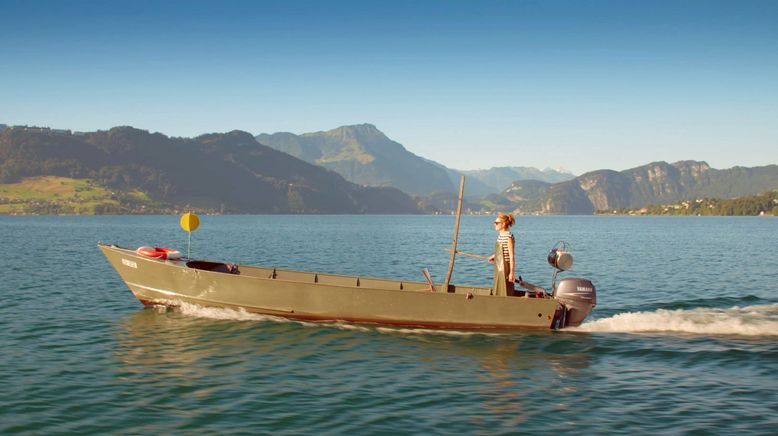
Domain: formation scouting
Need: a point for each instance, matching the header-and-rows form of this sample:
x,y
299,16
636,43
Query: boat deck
x,y
333,279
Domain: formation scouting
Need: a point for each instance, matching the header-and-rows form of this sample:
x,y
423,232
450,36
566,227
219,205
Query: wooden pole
x,y
477,256
456,235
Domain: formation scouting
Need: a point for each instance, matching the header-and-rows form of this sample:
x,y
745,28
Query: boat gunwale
x,y
182,264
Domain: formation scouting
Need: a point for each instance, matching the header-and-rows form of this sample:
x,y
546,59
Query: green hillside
x,y
64,195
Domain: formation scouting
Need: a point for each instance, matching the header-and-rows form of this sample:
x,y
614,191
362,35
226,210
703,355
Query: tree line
x,y
765,203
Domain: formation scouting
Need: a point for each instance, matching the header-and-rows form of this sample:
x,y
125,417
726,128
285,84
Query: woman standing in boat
x,y
504,257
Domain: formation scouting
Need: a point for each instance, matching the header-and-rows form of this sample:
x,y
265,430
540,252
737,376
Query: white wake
x,y
216,313
196,311
759,320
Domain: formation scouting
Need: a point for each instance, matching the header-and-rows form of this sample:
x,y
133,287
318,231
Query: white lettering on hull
x,y
129,263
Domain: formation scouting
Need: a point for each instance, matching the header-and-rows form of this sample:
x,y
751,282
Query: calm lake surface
x,y
684,338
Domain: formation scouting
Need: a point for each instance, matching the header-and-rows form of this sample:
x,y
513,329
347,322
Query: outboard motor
x,y
576,296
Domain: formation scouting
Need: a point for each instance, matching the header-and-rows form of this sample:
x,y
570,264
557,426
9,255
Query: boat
x,y
163,277
314,296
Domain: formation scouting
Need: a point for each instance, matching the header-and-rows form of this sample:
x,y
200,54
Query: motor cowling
x,y
578,296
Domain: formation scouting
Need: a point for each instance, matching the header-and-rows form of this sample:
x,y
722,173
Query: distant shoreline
x,y
176,213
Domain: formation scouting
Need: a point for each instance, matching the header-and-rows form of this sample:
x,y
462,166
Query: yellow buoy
x,y
190,222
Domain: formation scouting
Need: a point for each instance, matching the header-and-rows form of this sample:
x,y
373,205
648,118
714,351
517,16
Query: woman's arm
x,y
511,259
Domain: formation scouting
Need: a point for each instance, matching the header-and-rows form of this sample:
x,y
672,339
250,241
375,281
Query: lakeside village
x,y
698,207
765,204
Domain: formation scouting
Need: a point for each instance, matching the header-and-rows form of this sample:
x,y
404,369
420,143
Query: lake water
x,y
684,338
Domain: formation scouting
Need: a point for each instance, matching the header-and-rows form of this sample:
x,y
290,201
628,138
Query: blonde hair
x,y
506,218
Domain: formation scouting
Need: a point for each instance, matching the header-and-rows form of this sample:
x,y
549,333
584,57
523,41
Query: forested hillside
x,y
225,172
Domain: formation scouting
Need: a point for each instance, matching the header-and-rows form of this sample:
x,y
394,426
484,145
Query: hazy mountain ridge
x,y
362,154
227,172
500,178
474,188
654,183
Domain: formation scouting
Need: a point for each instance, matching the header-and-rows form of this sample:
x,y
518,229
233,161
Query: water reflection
x,y
524,371
168,339
508,378
169,345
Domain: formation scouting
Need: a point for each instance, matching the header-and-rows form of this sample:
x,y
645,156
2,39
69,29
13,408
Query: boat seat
x,y
228,268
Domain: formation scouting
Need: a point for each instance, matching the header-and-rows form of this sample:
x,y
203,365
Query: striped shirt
x,y
505,239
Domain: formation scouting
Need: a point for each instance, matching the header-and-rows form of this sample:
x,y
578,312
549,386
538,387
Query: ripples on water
x,y
683,338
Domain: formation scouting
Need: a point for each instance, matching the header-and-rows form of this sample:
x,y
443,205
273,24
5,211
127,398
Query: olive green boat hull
x,y
327,297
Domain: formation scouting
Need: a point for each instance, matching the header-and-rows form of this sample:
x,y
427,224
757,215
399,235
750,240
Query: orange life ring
x,y
170,253
158,252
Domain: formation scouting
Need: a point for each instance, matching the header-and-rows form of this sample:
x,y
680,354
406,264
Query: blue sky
x,y
582,85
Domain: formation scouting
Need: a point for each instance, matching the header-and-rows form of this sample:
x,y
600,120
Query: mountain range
x,y
500,178
351,169
654,183
223,172
364,155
